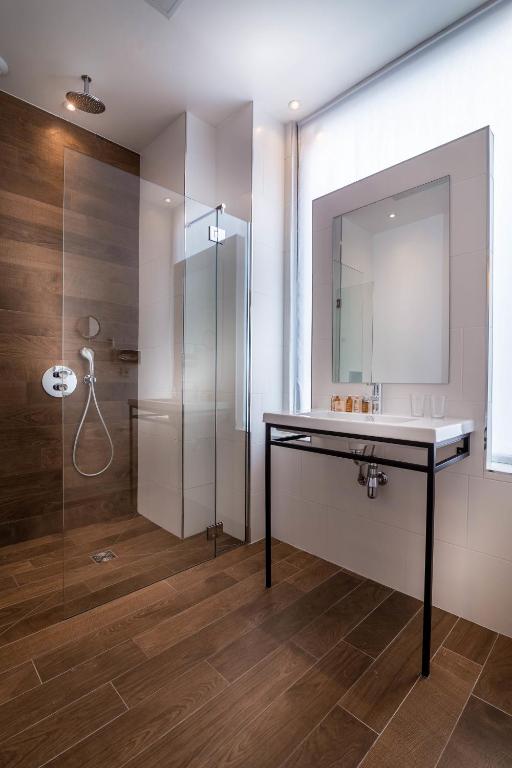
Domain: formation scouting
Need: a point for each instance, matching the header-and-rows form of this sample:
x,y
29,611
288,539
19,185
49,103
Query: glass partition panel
x,y
155,329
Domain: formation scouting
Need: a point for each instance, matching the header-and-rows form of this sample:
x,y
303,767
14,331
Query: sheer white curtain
x,y
461,84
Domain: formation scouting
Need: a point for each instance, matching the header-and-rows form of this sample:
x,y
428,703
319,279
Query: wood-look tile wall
x,y
101,279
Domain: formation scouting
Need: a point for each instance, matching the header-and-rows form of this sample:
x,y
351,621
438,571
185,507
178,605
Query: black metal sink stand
x,y
300,440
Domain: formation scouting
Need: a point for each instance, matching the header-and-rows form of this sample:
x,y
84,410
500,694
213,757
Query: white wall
x,y
163,160
219,161
409,275
160,330
318,505
269,156
210,164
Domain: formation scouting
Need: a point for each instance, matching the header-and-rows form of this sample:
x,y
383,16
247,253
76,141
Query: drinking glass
x,y
437,406
417,405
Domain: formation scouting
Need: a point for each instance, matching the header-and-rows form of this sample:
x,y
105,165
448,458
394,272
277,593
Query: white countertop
x,y
394,427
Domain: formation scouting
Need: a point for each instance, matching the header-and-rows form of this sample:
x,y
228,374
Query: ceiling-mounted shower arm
x,y
87,81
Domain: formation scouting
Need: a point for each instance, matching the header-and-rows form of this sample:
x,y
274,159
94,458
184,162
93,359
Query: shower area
x,y
148,396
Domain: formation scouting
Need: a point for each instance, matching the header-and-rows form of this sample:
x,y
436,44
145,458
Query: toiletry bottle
x,y
334,402
349,404
365,405
356,404
342,404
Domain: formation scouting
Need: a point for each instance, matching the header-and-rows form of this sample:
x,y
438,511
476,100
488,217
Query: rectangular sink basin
x,y
365,425
377,418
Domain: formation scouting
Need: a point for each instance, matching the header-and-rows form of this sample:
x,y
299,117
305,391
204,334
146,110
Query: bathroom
x,y
252,232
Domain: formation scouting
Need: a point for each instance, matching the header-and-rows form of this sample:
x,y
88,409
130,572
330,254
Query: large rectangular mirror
x,y
390,297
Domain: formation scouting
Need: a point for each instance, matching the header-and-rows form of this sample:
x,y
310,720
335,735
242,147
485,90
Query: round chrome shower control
x,y
59,381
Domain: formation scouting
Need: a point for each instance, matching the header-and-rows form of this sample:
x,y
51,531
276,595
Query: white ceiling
x,y
210,57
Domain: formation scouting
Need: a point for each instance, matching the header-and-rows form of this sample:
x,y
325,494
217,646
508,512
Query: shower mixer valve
x,y
65,384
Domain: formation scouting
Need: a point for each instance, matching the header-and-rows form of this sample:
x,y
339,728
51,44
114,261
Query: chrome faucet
x,y
376,397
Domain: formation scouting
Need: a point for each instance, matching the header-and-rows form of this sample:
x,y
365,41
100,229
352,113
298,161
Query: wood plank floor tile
x,y
38,744
339,741
203,570
54,663
379,692
273,735
202,737
482,738
470,640
243,652
256,563
313,574
376,632
301,559
141,726
60,633
143,681
175,629
30,707
418,732
17,681
230,674
495,683
333,625
26,617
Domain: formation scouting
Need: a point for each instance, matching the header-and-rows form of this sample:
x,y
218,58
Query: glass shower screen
x,y
155,326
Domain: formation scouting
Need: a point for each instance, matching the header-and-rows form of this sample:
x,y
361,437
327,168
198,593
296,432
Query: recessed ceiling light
x,y
392,215
70,106
167,200
294,104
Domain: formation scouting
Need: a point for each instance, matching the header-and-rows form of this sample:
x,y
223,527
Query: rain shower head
x,y
84,100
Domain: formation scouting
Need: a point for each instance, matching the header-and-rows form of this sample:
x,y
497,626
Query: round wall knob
x,y
59,381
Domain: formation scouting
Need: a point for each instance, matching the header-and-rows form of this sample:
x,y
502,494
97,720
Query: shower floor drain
x,y
102,557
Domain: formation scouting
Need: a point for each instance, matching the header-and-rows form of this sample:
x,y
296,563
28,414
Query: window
x,y
453,88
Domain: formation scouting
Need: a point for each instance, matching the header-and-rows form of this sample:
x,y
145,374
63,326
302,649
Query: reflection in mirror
x,y
391,289
88,327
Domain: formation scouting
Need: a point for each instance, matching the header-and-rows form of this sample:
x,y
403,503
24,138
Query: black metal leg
x,y
130,424
268,508
429,555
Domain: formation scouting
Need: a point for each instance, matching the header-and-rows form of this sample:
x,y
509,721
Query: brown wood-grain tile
x,y
313,574
34,705
495,682
470,640
141,682
57,634
141,726
273,735
38,744
177,628
378,693
69,655
482,738
17,681
376,631
418,732
339,741
202,738
244,651
203,570
333,625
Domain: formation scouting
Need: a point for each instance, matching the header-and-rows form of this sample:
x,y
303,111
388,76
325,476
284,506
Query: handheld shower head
x,y
84,100
88,354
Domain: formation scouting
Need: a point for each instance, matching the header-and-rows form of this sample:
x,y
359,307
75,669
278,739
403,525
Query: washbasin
x,y
373,418
422,430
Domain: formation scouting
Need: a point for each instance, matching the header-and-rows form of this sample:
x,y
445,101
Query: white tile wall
x,y
267,294
384,539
